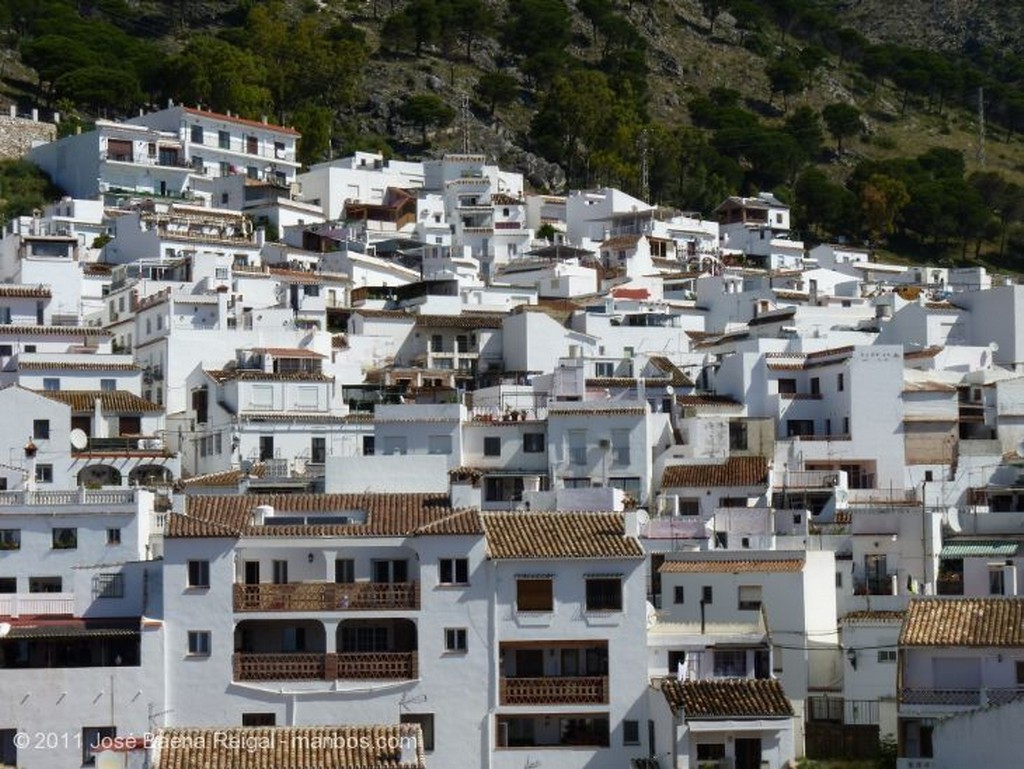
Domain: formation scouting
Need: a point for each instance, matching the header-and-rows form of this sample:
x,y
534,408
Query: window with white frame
x,y
887,656
604,369
453,571
455,639
439,444
199,643
749,597
620,448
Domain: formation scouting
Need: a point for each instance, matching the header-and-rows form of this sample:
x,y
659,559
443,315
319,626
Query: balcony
x,y
316,666
327,596
807,479
960,697
555,690
16,604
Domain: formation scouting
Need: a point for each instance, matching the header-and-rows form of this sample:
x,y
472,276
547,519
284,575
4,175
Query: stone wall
x,y
18,133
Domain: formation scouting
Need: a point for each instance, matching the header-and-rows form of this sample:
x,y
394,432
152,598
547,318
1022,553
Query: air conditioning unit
x,y
604,443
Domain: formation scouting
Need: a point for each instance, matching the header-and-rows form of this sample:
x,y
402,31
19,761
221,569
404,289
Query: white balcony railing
x,y
16,604
80,496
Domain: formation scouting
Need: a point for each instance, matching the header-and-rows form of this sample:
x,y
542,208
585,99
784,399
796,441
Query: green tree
x,y
315,123
786,76
496,89
712,9
843,121
426,110
473,19
23,188
217,74
882,199
804,125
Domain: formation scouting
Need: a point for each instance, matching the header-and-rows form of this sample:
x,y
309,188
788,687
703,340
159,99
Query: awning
x,y
996,548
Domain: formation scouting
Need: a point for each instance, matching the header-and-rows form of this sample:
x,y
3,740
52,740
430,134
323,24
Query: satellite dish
x,y
79,440
953,520
5,628
670,390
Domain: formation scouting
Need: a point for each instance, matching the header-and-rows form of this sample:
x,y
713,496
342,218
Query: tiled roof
x,y
927,352
621,241
987,548
737,566
229,478
290,747
111,401
304,417
732,698
460,321
593,408
707,400
676,376
523,535
872,616
241,121
32,330
289,352
631,293
461,522
17,290
60,365
964,622
773,316
734,471
255,375
231,516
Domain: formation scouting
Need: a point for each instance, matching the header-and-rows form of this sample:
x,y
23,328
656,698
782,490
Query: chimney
x,y
260,513
464,494
632,523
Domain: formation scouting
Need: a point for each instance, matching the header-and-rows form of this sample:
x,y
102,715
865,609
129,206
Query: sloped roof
x,y
964,622
111,401
977,548
734,471
60,365
290,747
738,566
871,616
461,522
20,290
241,121
468,321
525,535
733,698
225,515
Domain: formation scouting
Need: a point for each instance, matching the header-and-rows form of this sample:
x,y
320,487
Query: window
x,y
368,445
887,655
840,381
280,572
198,574
711,752
390,571
65,539
730,663
604,369
798,427
678,594
220,273
6,350
44,473
846,425
737,436
839,579
259,719
749,597
439,444
455,639
492,446
93,737
787,386
630,732
197,134
10,539
8,748
252,145
199,643
344,570
1020,672
224,140
51,383
45,584
394,444
454,571
604,594
815,385
996,581
707,594
8,584
318,451
109,385
620,448
109,585
41,429
426,722
533,443
113,536
535,594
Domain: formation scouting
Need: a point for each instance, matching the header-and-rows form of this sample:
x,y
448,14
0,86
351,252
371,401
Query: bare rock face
x,y
947,25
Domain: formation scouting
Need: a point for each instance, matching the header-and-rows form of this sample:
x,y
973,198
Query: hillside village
x,y
401,455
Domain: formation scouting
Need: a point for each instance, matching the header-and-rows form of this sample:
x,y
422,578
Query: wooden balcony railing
x,y
318,666
552,690
327,596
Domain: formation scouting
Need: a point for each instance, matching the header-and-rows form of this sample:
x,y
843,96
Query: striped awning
x,y
993,548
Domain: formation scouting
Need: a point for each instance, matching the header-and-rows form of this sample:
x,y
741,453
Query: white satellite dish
x,y
5,628
670,390
953,520
79,440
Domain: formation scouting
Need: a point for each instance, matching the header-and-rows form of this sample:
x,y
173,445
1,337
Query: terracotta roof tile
x,y
255,375
872,615
241,121
290,747
964,622
111,401
296,417
734,471
228,478
19,290
461,522
289,352
231,515
33,330
707,400
733,698
60,365
621,241
469,321
737,566
560,535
